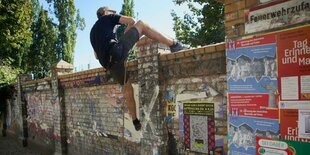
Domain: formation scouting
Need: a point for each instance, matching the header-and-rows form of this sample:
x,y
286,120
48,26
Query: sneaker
x,y
177,46
137,124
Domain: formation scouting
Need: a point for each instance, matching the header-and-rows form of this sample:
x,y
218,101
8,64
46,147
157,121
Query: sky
x,y
154,12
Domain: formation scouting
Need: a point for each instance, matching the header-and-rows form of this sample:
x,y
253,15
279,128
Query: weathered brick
x,y
235,22
199,51
171,56
229,1
189,53
238,5
251,3
180,55
241,13
210,49
241,30
231,16
99,108
220,48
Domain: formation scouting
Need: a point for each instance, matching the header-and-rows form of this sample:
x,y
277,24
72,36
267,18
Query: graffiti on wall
x,y
147,111
16,117
130,132
171,105
41,116
89,81
99,112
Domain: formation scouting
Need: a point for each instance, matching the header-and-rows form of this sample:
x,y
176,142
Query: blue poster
x,y
251,66
243,131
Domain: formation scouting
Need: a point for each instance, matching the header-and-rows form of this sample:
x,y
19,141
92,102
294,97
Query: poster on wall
x,y
179,99
239,102
304,124
276,14
271,146
251,73
251,65
243,131
199,126
294,63
294,120
253,112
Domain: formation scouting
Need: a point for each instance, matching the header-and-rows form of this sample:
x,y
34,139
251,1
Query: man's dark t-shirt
x,y
101,36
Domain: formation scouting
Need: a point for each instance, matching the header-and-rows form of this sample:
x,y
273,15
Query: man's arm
x,y
127,20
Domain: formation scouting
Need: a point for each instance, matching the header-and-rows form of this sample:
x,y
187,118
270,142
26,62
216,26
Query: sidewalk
x,y
9,146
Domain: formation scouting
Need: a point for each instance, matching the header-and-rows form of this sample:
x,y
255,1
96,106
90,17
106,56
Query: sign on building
x,y
276,14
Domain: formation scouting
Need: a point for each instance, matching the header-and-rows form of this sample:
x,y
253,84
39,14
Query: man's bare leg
x,y
131,104
145,29
130,101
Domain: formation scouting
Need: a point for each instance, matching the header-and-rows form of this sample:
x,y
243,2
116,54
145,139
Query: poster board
x,y
199,126
294,63
274,71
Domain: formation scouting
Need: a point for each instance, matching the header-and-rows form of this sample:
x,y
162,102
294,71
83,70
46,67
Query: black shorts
x,y
119,53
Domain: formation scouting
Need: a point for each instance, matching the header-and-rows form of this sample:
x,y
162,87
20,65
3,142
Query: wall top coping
x,y
195,51
169,56
145,40
219,47
86,72
93,71
28,83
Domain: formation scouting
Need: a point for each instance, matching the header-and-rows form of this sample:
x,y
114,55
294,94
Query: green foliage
x,y
15,30
43,46
127,10
8,74
36,9
65,12
79,21
204,26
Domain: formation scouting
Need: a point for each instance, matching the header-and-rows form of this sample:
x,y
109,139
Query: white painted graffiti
x,y
147,111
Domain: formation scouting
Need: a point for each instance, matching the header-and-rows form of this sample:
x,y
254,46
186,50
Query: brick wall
x,y
83,113
234,16
39,116
191,75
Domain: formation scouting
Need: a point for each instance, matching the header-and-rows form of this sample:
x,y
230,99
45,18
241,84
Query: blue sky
x,y
154,12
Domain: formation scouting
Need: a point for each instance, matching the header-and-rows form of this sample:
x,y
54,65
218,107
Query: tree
x,y
15,30
8,74
36,9
127,10
203,26
43,46
68,21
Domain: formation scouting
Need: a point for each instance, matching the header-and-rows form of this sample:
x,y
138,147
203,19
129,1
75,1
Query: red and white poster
x,y
294,120
294,63
251,105
253,100
258,113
